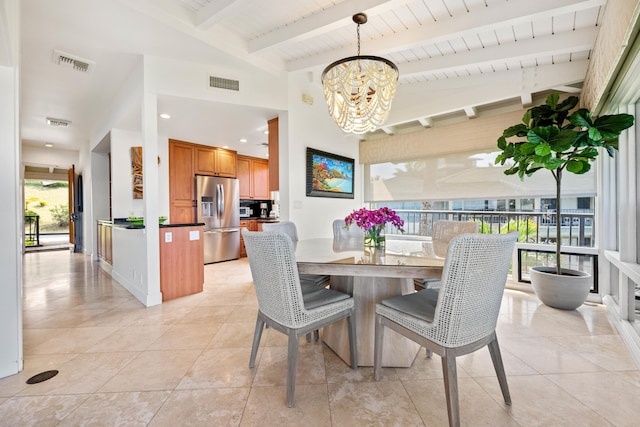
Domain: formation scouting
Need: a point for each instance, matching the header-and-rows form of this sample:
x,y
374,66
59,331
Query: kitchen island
x,y
181,259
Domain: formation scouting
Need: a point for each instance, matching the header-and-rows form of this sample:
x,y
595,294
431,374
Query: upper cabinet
x,y
187,160
253,177
274,163
215,161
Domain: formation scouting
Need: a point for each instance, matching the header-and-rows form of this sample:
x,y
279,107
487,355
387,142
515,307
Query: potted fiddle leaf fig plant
x,y
556,138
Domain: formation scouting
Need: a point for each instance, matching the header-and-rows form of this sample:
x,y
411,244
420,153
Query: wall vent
x,y
222,83
71,61
58,122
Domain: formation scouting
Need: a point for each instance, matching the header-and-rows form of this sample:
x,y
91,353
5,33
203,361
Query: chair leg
x,y
451,387
256,341
428,353
308,337
496,357
292,366
377,348
316,335
353,345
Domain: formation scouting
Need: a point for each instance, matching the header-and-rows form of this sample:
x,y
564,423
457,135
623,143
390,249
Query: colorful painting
x,y
329,175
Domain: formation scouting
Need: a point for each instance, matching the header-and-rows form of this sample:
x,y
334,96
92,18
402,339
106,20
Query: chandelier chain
x,y
358,32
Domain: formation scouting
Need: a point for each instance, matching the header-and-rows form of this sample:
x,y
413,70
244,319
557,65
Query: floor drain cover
x,y
42,376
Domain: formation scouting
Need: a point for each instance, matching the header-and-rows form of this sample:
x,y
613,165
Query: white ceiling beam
x,y
568,89
470,112
526,99
216,11
389,130
433,98
559,44
485,19
323,22
426,122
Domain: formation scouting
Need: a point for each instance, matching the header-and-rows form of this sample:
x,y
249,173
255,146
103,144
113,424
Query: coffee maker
x,y
275,205
263,210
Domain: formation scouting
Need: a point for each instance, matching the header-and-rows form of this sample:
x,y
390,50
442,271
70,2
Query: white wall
x,y
311,126
11,196
62,159
123,204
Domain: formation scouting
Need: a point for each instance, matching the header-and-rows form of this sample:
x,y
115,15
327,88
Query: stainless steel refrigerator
x,y
218,207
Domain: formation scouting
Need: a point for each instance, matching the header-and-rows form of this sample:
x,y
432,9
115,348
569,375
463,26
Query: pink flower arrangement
x,y
374,220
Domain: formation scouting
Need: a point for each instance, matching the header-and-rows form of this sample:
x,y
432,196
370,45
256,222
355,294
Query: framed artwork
x,y
136,171
329,175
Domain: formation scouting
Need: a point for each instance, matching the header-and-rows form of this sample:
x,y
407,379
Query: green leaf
x,y
526,119
553,163
502,143
581,118
527,148
574,166
611,150
589,152
610,127
568,104
594,134
552,100
543,149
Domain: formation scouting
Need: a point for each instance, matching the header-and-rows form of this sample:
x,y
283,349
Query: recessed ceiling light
x,y
266,132
165,116
243,140
48,145
225,146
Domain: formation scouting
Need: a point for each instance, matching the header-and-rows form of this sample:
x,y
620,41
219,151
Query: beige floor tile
x,y
153,370
272,369
479,364
234,335
119,316
537,401
216,368
606,351
383,403
38,411
425,368
207,314
338,371
610,394
129,409
477,408
547,357
85,373
243,314
184,337
210,407
130,338
266,406
33,365
162,315
73,340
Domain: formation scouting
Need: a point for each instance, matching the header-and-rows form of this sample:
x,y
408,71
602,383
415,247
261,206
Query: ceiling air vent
x,y
72,61
221,83
58,122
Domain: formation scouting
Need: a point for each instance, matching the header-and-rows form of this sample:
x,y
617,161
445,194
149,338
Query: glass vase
x,y
374,238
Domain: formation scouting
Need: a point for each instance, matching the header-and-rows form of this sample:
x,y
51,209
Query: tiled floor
x,y
186,363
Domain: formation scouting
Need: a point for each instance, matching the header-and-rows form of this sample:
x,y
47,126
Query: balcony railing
x,y
532,227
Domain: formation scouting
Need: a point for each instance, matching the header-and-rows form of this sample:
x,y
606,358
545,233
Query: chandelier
x,y
359,89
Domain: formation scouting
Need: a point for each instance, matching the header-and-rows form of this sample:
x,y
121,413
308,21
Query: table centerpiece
x,y
373,223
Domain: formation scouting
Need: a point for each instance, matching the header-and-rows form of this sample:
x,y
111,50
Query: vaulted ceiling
x,y
457,58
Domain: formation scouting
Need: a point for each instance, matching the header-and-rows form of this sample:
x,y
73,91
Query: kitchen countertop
x,y
120,223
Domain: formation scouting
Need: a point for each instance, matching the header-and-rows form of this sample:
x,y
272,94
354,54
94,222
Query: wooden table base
x,y
398,351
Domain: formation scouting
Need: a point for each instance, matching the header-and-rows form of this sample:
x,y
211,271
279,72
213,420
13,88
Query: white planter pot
x,y
567,291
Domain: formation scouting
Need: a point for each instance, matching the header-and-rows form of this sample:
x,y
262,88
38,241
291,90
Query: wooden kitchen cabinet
x,y
215,161
105,251
185,161
181,261
274,161
253,177
181,182
251,225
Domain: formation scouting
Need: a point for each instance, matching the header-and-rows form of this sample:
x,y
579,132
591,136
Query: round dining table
x,y
369,275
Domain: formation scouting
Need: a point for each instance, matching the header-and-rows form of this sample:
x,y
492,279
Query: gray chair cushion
x,y
314,279
420,304
322,296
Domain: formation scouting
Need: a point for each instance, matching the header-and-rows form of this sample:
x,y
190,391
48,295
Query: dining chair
x,y
443,232
346,239
280,301
310,283
461,316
